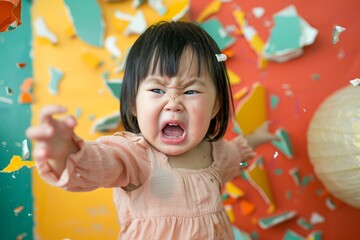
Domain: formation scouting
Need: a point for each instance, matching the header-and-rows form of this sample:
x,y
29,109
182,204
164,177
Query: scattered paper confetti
x,y
10,17
336,33
295,175
298,34
292,235
137,24
246,207
107,123
25,95
18,209
233,191
89,25
6,100
90,59
316,218
110,45
270,221
21,65
113,85
216,30
284,144
257,176
230,212
302,222
16,163
55,76
211,8
258,11
25,150
42,31
355,82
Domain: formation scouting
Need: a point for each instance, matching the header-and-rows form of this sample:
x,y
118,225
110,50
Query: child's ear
x,y
216,108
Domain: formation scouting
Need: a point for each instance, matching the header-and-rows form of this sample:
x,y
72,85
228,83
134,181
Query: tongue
x,y
173,131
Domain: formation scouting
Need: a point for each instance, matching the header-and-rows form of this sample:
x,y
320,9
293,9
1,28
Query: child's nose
x,y
173,104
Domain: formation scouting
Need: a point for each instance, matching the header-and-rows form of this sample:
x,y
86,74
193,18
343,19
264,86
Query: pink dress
x,y
171,203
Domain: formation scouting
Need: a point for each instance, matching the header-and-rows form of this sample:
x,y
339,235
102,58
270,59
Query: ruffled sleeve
x,y
229,154
110,161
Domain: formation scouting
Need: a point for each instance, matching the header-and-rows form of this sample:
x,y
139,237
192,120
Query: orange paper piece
x,y
91,60
10,14
230,212
257,176
25,95
246,207
251,111
16,163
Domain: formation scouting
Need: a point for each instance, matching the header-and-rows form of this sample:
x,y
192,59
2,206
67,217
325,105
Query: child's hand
x,y
261,135
54,137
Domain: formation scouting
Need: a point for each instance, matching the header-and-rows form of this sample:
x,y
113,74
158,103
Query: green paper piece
x,y
285,36
276,219
284,144
55,76
87,19
216,30
240,234
113,85
291,235
304,224
274,101
107,123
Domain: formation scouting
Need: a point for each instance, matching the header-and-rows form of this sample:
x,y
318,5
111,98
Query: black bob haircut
x,y
161,46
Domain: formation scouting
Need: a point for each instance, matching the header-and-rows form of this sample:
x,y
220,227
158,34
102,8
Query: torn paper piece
x,y
113,85
284,144
270,221
25,95
302,222
336,33
257,176
274,101
288,36
42,31
9,91
55,76
295,175
184,7
137,24
10,14
241,93
355,82
330,204
18,210
107,123
258,12
233,77
158,6
210,9
137,3
246,207
16,163
316,218
110,45
230,212
216,30
292,235
233,191
6,100
90,59
316,235
251,36
240,234
21,64
248,119
87,21
25,150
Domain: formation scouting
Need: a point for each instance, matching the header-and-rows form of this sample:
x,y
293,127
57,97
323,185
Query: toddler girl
x,y
168,167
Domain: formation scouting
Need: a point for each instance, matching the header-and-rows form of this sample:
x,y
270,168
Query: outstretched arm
x,y
261,135
54,138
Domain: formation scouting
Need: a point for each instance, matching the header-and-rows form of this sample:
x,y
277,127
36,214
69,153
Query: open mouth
x,y
173,130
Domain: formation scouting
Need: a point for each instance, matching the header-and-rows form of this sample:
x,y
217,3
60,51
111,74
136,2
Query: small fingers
x,y
47,112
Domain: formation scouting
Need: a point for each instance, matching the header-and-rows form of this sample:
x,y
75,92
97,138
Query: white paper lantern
x,y
334,144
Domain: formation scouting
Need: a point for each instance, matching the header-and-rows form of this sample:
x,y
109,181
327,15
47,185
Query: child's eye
x,y
191,92
158,91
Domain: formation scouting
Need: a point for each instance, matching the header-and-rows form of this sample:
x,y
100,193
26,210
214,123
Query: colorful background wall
x,y
283,67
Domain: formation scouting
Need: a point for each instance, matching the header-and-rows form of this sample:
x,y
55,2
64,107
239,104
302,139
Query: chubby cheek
x,y
200,120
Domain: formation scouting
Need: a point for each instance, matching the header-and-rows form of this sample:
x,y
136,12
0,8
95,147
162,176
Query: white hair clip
x,y
221,57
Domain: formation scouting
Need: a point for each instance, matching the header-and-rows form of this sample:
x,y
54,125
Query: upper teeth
x,y
173,124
